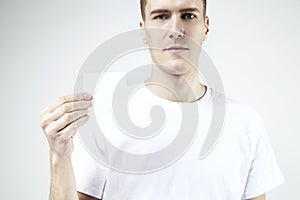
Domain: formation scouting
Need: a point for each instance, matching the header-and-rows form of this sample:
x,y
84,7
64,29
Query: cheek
x,y
196,34
157,56
156,38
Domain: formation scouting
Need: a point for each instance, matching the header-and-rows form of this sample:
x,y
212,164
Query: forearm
x,y
60,121
63,186
262,197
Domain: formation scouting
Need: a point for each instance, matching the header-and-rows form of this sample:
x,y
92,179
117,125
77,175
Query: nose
x,y
177,29
176,35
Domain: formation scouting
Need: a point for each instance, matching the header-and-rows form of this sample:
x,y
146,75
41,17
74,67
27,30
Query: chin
x,y
178,68
172,64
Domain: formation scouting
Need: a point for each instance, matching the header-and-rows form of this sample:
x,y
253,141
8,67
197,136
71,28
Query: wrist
x,y
58,160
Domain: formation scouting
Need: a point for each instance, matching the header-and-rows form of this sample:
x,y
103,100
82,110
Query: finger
x,y
69,131
63,109
65,99
68,118
71,107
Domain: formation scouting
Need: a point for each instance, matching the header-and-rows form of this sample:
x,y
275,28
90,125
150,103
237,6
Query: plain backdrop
x,y
43,44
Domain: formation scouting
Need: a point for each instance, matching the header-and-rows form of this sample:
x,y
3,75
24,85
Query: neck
x,y
176,88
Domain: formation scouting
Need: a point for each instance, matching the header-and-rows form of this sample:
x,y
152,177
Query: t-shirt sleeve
x,y
90,175
264,173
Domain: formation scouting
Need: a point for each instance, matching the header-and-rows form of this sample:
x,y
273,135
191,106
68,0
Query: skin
x,y
261,197
183,26
172,78
59,122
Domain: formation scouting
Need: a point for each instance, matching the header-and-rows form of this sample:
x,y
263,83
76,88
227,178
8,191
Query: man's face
x,y
175,31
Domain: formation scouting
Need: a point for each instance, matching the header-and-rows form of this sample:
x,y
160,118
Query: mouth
x,y
176,49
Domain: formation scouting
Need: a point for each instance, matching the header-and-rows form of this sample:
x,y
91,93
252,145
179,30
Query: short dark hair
x,y
143,4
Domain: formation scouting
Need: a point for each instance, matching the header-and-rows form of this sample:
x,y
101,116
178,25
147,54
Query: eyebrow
x,y
181,10
189,10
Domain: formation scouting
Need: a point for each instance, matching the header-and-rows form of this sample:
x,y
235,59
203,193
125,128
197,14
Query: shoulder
x,y
235,109
241,120
241,110
246,118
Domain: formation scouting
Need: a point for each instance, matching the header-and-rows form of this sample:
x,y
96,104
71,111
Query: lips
x,y
176,48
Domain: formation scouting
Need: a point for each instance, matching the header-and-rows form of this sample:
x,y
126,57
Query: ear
x,y
206,24
144,37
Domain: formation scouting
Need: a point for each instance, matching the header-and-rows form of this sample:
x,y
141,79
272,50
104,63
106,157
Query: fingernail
x,y
87,96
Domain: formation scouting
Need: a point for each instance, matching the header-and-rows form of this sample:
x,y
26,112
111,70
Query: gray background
x,y
43,44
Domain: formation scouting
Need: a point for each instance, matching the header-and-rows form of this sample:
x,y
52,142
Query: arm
x,y
59,122
261,197
62,180
86,197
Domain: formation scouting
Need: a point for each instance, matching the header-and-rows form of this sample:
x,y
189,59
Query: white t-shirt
x,y
241,166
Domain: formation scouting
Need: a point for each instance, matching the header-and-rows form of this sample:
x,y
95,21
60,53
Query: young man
x,y
242,165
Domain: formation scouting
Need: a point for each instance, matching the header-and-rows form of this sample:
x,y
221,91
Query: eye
x,y
188,16
160,17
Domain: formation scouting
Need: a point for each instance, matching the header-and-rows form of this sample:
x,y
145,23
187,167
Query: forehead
x,y
172,4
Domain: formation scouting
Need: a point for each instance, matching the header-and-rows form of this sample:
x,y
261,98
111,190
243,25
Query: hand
x,y
60,121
